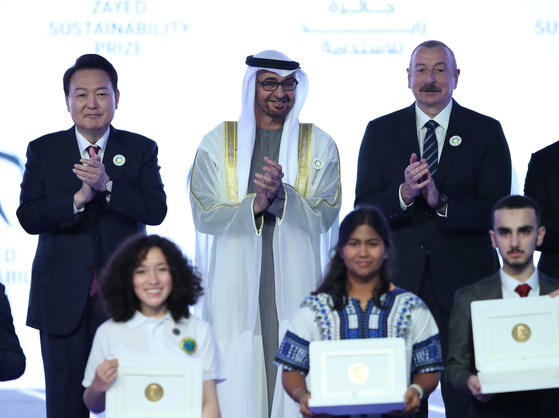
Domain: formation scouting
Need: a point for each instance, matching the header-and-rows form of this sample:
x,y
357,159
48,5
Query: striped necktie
x,y
431,147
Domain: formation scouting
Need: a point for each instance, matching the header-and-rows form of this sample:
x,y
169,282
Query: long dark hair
x,y
335,280
118,291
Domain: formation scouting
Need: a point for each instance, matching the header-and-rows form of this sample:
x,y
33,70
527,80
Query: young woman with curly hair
x,y
148,287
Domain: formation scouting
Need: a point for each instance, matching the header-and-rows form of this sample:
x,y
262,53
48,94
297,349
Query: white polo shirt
x,y
147,337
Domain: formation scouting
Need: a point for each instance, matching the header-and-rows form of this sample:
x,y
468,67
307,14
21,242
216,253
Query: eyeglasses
x,y
288,85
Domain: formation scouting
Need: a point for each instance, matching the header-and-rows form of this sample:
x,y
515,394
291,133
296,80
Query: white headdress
x,y
283,66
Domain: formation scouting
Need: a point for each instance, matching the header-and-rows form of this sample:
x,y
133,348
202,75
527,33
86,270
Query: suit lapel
x,y
69,151
546,284
64,155
451,153
491,288
407,132
116,153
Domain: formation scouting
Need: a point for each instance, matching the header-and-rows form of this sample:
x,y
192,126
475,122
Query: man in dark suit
x,y
82,202
12,359
437,196
542,184
515,232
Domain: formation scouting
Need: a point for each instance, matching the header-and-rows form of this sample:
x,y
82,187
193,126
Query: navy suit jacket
x,y
474,175
542,185
460,364
71,245
12,359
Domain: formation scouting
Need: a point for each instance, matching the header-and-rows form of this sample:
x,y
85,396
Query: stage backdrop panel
x,y
181,64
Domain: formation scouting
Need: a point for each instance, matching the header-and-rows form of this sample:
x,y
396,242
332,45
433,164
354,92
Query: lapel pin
x,y
119,160
317,164
455,140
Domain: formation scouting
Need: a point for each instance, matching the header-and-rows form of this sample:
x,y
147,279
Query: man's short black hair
x,y
517,202
90,62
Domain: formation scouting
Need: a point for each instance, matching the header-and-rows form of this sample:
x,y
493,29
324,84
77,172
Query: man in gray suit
x,y
516,231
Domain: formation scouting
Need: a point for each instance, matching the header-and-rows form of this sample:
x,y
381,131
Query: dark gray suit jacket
x,y
460,364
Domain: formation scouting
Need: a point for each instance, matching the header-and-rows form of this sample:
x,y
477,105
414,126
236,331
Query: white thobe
x,y
228,256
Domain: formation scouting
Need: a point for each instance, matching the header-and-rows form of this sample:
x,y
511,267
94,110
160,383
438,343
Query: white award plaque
x,y
358,376
516,343
156,388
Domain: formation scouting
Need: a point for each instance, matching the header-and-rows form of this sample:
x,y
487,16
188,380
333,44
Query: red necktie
x,y
94,283
95,149
523,289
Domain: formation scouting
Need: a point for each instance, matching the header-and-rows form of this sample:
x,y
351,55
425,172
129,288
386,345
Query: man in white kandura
x,y
265,194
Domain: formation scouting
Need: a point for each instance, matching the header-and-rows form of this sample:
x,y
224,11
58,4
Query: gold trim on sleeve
x,y
305,131
231,161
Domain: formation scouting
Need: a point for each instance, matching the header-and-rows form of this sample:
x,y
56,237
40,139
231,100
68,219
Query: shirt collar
x,y
140,319
509,283
84,143
442,118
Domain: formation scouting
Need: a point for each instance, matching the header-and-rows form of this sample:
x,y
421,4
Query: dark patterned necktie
x,y
95,149
431,147
523,289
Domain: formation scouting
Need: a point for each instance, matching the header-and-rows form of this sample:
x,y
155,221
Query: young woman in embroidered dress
x,y
357,287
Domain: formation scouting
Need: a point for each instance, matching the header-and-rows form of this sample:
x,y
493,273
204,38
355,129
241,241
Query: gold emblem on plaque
x,y
358,373
521,333
154,392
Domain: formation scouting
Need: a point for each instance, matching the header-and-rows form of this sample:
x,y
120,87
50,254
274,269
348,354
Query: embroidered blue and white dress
x,y
405,316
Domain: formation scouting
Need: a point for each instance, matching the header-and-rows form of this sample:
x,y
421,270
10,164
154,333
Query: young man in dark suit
x,y
436,169
516,232
83,192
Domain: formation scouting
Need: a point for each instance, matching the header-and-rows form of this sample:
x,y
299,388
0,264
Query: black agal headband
x,y
252,61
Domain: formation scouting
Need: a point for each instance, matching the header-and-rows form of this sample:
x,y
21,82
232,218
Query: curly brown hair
x,y
117,288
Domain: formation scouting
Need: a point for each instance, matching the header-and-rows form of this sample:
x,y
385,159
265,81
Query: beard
x,y
519,263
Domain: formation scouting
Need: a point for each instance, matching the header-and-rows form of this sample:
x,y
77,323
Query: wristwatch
x,y
443,200
109,186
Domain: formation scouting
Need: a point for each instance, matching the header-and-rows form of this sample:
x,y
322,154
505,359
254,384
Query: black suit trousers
x,y
64,360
